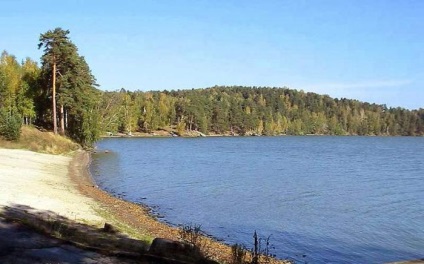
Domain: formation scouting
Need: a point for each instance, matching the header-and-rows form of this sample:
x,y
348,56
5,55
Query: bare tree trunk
x,y
62,120
54,98
66,119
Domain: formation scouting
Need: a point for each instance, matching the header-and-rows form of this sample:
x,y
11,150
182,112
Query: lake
x,y
321,199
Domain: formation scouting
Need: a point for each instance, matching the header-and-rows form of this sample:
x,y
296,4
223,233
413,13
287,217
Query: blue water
x,y
322,199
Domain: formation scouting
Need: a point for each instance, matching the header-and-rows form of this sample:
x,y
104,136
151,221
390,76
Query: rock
x,y
108,228
175,250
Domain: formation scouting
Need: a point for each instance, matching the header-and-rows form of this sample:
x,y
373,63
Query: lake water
x,y
322,199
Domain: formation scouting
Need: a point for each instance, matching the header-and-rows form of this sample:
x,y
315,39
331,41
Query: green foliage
x,y
77,97
109,112
257,111
15,84
10,125
15,101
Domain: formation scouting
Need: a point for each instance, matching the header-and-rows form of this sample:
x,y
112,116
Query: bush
x,y
238,254
193,235
10,125
259,254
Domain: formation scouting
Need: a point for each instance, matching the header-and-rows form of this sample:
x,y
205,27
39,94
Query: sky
x,y
372,51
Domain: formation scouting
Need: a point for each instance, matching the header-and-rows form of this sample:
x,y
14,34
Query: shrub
x,y
259,254
10,125
238,254
193,235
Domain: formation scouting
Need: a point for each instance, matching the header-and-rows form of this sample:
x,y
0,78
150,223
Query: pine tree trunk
x,y
54,98
62,120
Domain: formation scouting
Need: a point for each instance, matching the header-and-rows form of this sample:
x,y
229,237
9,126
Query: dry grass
x,y
43,142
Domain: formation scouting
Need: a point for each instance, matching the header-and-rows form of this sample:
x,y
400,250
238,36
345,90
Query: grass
x,y
122,227
43,142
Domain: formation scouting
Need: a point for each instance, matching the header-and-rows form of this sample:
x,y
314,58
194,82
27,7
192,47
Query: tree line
x,y
241,110
62,95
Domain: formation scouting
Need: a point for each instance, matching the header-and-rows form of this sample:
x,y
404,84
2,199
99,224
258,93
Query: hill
x,y
237,110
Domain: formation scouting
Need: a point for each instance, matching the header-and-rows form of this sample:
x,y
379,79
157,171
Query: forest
x,y
236,110
62,95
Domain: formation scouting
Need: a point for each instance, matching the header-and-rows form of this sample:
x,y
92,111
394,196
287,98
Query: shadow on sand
x,y
28,235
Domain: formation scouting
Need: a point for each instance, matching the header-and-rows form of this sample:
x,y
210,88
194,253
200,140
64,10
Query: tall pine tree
x,y
72,87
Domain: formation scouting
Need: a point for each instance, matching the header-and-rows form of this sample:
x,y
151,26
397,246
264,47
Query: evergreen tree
x,y
58,53
72,87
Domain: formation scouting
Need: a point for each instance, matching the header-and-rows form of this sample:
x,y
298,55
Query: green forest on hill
x,y
254,111
83,112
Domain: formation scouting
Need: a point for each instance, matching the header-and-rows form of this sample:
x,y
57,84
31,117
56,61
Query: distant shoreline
x,y
148,135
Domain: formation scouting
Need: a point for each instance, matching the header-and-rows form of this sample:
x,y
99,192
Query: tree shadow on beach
x,y
28,235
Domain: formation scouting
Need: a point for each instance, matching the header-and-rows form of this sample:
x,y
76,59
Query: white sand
x,y
41,181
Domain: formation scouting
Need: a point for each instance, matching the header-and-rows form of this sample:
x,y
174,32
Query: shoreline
x,y
37,183
56,195
136,217
125,211
145,135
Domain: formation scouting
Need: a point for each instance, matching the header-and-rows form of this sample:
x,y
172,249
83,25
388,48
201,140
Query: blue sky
x,y
367,50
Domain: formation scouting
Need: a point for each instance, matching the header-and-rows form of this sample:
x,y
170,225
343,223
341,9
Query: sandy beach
x,y
42,182
63,185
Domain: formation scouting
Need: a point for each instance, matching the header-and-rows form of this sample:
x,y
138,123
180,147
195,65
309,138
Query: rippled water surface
x,y
333,199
